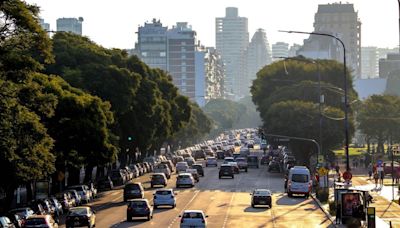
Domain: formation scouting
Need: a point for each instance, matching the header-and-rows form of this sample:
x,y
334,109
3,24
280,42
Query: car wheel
x,y
252,205
270,206
307,195
173,206
233,176
289,194
219,177
246,170
155,206
151,186
128,218
148,217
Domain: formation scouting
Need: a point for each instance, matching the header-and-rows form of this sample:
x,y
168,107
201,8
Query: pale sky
x,y
113,24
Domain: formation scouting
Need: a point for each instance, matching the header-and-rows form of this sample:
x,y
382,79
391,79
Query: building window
x,y
144,54
162,54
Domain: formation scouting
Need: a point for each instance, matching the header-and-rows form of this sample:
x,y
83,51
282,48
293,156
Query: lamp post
x,y
346,122
399,23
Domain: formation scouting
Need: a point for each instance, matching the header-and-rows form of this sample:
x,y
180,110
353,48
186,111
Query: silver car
x,y
184,179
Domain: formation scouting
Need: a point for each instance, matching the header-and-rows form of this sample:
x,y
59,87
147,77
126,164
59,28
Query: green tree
x,y
378,118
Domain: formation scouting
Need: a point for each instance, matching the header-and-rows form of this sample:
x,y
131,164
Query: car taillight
x,y
172,196
202,221
129,208
155,197
182,220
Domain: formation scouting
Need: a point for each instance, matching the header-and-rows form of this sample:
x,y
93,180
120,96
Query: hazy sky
x,y
115,23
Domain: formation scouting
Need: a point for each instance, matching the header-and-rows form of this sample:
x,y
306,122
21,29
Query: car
x,y
83,191
105,183
164,197
118,177
193,218
274,166
234,166
194,173
261,197
211,161
133,190
299,181
226,170
199,168
158,179
139,208
252,161
190,161
47,206
6,222
220,154
181,166
40,221
163,168
242,163
93,190
135,170
170,165
184,179
57,205
199,154
23,212
228,159
264,160
75,195
80,216
15,219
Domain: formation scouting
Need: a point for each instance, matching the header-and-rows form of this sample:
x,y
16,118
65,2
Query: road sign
x,y
321,159
347,175
323,171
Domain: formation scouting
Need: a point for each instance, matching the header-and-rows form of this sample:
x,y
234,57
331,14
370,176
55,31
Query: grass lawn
x,y
352,151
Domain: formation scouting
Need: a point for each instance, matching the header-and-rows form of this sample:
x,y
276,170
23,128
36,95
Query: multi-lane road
x,y
225,201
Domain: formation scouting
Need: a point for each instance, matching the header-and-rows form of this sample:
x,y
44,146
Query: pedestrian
x,y
381,176
397,174
376,178
370,171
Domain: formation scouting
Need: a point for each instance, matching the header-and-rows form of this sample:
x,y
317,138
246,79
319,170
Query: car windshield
x,y
157,177
138,204
35,221
132,186
78,211
302,178
163,192
252,159
192,215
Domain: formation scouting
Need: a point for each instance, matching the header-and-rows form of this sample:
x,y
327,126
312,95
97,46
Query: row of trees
x,y
67,102
287,95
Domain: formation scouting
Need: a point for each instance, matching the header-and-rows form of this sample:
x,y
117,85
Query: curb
x,y
323,209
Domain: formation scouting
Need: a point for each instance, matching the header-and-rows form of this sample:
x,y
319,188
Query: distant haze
x,y
115,23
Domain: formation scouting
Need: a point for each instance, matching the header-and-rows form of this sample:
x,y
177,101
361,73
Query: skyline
x,y
379,20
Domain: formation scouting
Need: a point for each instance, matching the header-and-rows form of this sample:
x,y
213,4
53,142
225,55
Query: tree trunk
x,y
368,146
88,173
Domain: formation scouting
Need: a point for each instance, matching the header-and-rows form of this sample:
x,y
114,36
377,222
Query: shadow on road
x,y
135,222
257,209
285,200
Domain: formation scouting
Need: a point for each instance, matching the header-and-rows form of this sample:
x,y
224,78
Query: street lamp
x,y
346,122
399,23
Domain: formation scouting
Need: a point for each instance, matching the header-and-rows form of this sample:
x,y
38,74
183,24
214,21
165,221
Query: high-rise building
x,y
152,44
214,74
342,21
45,26
293,50
389,65
258,55
280,49
370,62
181,47
73,25
382,52
232,39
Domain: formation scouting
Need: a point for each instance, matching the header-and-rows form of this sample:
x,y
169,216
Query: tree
x,y
379,119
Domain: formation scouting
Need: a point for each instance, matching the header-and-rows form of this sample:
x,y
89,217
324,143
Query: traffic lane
x,y
297,212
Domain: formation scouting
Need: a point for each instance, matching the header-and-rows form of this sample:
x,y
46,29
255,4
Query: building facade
x,y
214,74
258,55
45,26
389,65
293,50
73,25
370,62
152,44
280,49
342,21
232,39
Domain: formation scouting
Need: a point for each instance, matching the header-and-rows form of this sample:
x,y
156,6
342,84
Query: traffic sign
x,y
323,171
347,175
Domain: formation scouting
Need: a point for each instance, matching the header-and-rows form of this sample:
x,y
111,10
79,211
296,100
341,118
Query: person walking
x,y
370,171
381,176
376,178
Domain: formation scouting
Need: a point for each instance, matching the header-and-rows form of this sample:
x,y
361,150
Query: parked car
x,y
80,216
199,168
23,212
199,154
134,170
35,221
48,208
6,222
184,179
105,183
128,173
93,190
193,218
164,197
226,170
139,208
158,179
15,219
181,166
261,197
75,195
83,191
57,205
133,190
211,161
118,177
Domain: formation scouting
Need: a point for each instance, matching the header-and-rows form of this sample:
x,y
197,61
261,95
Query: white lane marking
x,y
227,212
190,201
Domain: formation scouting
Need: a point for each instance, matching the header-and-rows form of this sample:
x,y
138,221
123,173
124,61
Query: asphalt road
x,y
225,201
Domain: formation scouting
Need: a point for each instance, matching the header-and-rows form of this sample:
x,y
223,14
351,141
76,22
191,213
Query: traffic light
x,y
130,138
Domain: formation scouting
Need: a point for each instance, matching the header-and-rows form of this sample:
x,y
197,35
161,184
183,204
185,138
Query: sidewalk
x,y
386,210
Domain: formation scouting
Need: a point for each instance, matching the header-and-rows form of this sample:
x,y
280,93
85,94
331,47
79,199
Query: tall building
x,y
181,44
45,26
214,74
293,50
389,65
232,39
370,62
382,52
73,25
280,49
152,44
258,55
342,21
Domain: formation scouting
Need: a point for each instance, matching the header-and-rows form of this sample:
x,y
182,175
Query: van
x,y
299,181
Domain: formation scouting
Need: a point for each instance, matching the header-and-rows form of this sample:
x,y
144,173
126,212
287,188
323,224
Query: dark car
x,y
170,165
274,166
252,161
117,177
105,184
23,212
261,197
158,179
80,216
199,168
139,208
199,154
6,222
220,154
264,160
226,170
133,190
15,219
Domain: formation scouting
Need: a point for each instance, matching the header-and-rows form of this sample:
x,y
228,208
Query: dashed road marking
x,y
187,204
227,212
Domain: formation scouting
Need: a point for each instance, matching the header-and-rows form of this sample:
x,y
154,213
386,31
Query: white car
x,y
184,179
163,168
193,218
181,167
211,161
164,197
